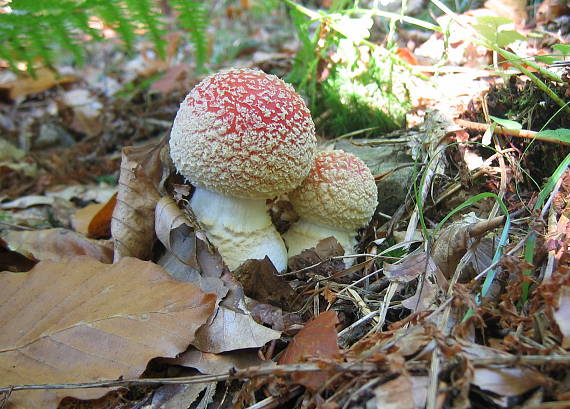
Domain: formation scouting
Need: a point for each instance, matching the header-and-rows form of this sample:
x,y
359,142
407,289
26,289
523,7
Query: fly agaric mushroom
x,y
241,137
338,197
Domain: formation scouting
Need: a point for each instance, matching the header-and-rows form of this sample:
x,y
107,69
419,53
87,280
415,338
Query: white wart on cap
x,y
242,136
337,198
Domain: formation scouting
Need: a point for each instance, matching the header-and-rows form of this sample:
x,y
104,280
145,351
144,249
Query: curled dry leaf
x,y
453,242
272,316
176,231
83,320
318,339
412,267
57,245
230,330
182,272
133,218
211,364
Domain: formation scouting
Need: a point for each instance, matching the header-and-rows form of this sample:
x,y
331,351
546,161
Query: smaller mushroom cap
x,y
243,133
339,191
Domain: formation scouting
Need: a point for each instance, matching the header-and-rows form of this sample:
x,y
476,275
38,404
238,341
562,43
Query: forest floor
x,y
459,296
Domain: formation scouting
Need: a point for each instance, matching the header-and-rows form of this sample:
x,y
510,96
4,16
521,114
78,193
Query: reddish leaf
x,y
318,339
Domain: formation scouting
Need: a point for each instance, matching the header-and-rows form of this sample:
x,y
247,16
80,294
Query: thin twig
x,y
252,372
519,133
274,401
343,336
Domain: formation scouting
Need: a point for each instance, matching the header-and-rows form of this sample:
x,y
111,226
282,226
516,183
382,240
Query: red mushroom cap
x,y
339,191
243,133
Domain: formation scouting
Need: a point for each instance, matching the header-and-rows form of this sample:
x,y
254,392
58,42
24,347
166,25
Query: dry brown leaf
x,y
211,364
99,193
170,80
562,315
412,267
57,245
425,297
132,225
321,254
94,220
86,111
272,316
187,274
260,282
231,330
28,201
82,217
45,79
318,339
411,343
176,231
508,381
453,242
395,394
83,320
100,225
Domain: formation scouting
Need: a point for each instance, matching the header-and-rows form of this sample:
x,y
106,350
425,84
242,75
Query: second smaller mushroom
x,y
337,198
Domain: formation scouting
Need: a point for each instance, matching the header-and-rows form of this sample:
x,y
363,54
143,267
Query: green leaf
x,y
561,134
493,29
504,38
563,49
547,59
506,123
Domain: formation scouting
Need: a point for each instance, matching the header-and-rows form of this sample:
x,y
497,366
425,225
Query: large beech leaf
x,y
83,320
57,245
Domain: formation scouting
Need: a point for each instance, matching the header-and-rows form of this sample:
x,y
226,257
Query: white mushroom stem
x,y
241,229
305,234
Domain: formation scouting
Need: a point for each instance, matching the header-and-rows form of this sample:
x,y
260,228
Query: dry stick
x,y
344,335
252,372
257,371
523,360
519,133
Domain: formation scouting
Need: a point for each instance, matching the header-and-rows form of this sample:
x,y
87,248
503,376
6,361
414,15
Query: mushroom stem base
x,y
305,235
241,229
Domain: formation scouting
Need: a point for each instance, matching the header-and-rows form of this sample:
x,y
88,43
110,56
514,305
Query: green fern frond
x,y
65,36
38,30
193,17
142,11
